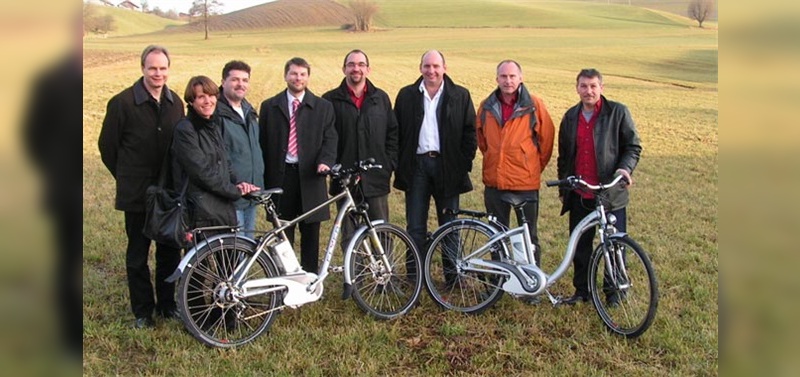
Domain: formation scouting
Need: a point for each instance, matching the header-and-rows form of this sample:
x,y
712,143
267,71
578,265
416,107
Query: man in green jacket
x,y
239,126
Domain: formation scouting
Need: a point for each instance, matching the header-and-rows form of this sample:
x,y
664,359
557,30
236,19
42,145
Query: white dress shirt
x,y
429,132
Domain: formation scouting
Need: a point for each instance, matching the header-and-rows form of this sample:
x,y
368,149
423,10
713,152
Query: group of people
x,y
221,149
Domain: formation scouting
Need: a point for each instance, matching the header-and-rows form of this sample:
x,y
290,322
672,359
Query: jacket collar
x,y
448,85
225,110
341,92
197,120
141,95
524,101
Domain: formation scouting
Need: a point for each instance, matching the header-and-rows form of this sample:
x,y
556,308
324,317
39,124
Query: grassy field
x,y
661,66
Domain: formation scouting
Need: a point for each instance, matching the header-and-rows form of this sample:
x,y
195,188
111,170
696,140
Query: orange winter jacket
x,y
511,158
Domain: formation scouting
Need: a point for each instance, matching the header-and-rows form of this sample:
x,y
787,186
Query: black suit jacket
x,y
316,144
458,143
135,137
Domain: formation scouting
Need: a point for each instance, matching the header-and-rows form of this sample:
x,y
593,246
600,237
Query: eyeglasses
x,y
359,65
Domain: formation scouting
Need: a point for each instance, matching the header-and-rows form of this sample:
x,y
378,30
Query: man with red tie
x,y
298,140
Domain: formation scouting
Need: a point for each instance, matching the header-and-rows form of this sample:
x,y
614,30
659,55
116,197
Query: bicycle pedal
x,y
336,268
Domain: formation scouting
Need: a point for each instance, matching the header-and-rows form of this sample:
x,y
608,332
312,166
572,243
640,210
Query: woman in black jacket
x,y
198,154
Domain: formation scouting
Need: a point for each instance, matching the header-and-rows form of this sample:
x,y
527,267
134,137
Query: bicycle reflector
x,y
189,236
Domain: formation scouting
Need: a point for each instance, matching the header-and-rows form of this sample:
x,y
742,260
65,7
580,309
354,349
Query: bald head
x,y
432,68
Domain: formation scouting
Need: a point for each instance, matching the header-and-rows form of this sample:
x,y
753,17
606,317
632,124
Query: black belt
x,y
431,154
294,166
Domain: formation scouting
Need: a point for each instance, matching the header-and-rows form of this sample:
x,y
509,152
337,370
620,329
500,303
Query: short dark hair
x,y
234,65
155,48
355,51
509,61
436,51
300,62
209,87
589,73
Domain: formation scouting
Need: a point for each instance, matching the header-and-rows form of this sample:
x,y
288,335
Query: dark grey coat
x,y
369,132
135,137
241,137
316,144
198,153
458,143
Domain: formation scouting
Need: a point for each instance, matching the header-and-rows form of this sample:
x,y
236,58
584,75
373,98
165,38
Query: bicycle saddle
x,y
262,195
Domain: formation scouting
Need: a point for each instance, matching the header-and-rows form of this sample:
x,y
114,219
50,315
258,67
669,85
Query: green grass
x,y
666,74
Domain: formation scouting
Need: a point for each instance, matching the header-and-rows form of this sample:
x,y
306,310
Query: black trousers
x,y
139,285
290,205
578,209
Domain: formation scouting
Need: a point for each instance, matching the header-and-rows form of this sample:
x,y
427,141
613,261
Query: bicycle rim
x,y
376,290
627,307
211,315
448,285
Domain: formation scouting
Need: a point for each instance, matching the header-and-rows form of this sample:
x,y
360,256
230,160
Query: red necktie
x,y
293,128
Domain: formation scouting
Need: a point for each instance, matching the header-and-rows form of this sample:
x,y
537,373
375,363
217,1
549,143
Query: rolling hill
x,y
278,14
130,22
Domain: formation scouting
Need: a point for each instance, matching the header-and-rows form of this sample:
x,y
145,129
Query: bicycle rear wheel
x,y
386,293
209,308
448,285
623,287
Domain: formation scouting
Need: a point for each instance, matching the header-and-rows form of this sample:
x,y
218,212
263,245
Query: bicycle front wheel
x,y
206,298
449,285
623,287
386,291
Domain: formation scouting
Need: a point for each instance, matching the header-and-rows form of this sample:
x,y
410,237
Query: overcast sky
x,y
184,5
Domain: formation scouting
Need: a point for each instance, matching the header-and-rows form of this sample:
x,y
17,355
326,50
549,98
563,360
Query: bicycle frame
x,y
598,217
303,286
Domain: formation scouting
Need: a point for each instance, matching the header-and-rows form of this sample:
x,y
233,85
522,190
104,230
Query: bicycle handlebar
x,y
338,172
574,182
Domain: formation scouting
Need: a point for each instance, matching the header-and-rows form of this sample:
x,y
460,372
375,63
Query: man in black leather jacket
x,y
597,140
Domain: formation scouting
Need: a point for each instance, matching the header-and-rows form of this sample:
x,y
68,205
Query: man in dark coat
x,y
367,128
436,119
298,140
597,140
136,134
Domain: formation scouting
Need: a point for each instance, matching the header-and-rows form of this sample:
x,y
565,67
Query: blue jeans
x,y
246,219
418,200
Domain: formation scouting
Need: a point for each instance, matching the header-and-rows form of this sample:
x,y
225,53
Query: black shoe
x,y
572,300
171,314
144,322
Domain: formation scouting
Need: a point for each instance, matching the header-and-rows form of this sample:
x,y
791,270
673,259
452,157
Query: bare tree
x,y
363,11
699,10
206,9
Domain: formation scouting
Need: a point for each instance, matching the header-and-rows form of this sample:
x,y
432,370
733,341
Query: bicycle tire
x,y
210,317
633,310
381,294
452,289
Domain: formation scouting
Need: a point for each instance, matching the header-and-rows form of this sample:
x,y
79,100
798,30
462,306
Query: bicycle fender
x,y
191,252
618,235
349,251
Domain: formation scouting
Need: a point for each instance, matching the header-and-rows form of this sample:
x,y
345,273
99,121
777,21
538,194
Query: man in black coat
x,y
367,128
136,134
436,120
597,140
298,140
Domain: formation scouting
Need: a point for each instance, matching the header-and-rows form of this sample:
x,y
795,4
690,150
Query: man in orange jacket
x,y
515,134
